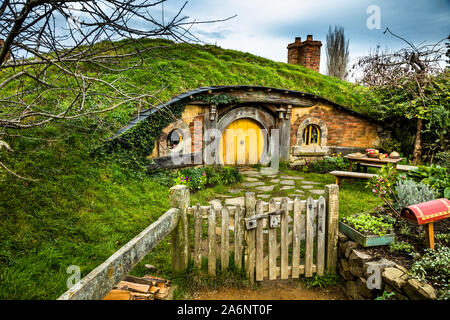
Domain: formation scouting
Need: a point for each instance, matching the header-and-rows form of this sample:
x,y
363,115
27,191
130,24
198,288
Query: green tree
x,y
404,82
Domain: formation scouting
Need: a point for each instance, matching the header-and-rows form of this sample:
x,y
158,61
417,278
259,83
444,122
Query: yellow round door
x,y
242,143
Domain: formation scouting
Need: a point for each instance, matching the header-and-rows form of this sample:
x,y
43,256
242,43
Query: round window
x,y
174,139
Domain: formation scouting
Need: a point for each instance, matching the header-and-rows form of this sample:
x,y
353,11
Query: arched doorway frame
x,y
259,115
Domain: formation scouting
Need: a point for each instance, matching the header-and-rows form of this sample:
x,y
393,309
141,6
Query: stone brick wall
x,y
306,53
344,129
353,267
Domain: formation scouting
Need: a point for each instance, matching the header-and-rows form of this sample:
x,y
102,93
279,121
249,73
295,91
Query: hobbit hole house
x,y
234,125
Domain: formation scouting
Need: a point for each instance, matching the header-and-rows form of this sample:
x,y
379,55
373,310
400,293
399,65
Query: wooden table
x,y
370,161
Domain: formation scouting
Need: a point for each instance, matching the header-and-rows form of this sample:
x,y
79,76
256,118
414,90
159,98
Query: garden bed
x,y
410,247
410,233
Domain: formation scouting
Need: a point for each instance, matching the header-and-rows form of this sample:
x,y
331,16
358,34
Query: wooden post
x,y
259,243
179,198
429,234
250,239
225,239
212,241
320,255
332,208
197,237
284,239
238,237
309,237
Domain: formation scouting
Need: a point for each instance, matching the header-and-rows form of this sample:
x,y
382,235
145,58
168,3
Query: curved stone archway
x,y
265,119
318,122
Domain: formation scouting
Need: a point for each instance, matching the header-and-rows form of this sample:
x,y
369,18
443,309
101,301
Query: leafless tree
x,y
49,49
337,53
410,69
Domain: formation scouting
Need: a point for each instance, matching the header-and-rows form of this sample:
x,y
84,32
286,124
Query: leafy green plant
x,y
443,237
224,175
327,280
385,295
196,177
369,224
433,267
403,247
182,180
410,192
435,176
382,184
443,159
328,163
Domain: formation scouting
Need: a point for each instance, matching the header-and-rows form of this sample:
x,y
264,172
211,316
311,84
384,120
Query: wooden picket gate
x,y
271,240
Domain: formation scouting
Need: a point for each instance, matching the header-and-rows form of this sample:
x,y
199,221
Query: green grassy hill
x,y
83,208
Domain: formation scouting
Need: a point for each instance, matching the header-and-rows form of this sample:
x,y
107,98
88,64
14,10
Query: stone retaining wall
x,y
356,267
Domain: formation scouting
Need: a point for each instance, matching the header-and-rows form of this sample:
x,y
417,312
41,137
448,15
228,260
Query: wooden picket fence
x,y
302,243
259,245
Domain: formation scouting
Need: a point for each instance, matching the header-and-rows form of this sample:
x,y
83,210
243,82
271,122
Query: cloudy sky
x,y
265,28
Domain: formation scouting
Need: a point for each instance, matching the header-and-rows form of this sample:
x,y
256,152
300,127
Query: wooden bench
x,y
340,175
400,167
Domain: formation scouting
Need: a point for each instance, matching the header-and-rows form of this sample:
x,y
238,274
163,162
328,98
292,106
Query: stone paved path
x,y
268,184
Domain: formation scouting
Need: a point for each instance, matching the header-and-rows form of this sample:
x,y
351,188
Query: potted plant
x,y
367,230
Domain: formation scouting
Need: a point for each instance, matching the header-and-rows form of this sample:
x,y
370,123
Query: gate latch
x,y
250,223
274,219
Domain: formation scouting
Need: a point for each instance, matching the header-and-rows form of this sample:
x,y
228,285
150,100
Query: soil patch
x,y
271,290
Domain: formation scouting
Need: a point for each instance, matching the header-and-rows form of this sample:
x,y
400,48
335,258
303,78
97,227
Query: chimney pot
x,y
306,53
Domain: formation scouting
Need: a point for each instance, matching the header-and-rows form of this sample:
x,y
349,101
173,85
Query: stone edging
x,y
356,267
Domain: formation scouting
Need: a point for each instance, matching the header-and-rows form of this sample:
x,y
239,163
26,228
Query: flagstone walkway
x,y
268,184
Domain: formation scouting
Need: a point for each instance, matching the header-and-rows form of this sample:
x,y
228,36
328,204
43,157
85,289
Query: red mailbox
x,y
427,213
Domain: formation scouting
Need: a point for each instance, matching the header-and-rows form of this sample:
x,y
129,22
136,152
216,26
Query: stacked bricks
x,y
344,129
306,53
197,133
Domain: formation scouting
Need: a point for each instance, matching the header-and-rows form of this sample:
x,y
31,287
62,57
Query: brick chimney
x,y
306,53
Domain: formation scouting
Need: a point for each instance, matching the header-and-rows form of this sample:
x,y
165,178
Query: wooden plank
x,y
296,238
349,174
332,209
132,286
102,279
118,295
250,209
225,239
284,239
197,237
141,296
309,249
238,237
212,241
272,246
301,270
320,255
259,244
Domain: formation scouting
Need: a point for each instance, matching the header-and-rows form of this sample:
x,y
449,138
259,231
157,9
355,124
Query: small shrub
x,y
410,192
443,159
225,175
443,237
434,176
434,267
196,177
403,247
327,280
389,145
385,296
369,224
328,163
